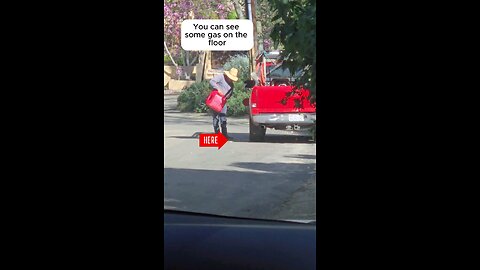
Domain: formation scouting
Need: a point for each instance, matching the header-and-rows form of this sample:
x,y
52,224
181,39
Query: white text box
x,y
217,35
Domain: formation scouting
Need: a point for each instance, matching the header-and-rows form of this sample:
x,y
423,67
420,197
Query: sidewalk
x,y
171,92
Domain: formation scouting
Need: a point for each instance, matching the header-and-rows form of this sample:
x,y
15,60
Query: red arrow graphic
x,y
212,140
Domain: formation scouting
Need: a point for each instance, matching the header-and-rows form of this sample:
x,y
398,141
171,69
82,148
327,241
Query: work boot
x,y
225,133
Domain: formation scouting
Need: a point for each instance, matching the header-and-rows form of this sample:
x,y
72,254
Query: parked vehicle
x,y
275,102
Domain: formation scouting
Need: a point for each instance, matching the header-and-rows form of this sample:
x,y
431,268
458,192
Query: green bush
x,y
235,102
192,99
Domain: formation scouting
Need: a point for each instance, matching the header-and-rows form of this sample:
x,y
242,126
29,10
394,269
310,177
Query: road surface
x,y
274,179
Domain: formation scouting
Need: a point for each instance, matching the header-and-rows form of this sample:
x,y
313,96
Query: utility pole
x,y
255,30
250,14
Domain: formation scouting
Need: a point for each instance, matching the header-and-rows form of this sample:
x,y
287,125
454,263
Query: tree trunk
x,y
238,9
168,52
194,59
201,67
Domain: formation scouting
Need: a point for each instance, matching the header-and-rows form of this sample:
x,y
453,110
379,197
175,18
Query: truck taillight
x,y
253,101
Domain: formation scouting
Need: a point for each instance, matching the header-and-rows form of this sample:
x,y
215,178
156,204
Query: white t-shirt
x,y
218,82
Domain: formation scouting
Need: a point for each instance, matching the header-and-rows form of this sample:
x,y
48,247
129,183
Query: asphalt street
x,y
274,179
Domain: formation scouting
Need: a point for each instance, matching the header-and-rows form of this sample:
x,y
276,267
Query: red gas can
x,y
215,101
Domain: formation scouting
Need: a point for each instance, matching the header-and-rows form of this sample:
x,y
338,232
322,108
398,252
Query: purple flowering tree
x,y
176,11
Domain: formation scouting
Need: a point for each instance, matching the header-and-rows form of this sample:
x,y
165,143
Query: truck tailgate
x,y
277,99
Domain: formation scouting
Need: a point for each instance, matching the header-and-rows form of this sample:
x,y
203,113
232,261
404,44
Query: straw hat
x,y
232,74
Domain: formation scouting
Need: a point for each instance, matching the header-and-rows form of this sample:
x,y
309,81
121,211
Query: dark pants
x,y
222,119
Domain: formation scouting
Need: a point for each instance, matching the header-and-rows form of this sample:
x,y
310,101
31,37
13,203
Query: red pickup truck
x,y
274,103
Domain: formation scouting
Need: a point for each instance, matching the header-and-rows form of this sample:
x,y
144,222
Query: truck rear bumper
x,y
300,119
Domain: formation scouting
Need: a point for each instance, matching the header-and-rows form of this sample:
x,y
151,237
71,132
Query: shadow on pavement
x,y
238,193
193,136
272,138
276,167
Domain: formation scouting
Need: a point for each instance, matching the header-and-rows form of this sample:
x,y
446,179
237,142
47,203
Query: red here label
x,y
212,140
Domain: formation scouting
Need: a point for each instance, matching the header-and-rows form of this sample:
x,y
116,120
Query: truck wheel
x,y
257,133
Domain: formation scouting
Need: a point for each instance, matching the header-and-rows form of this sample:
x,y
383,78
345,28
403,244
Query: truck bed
x,y
276,99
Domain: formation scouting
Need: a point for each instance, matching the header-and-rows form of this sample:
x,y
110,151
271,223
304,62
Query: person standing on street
x,y
224,84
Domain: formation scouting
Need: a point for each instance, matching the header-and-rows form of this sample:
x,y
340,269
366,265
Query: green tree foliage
x,y
264,16
297,33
